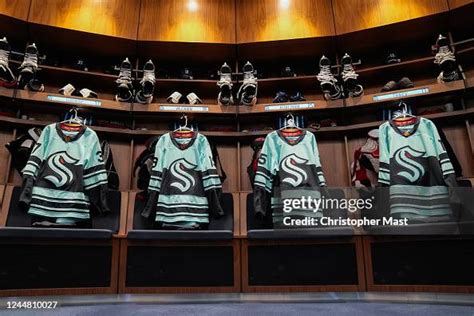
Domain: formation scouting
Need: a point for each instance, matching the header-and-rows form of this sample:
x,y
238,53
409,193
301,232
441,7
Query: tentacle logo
x,y
62,174
179,168
413,170
289,164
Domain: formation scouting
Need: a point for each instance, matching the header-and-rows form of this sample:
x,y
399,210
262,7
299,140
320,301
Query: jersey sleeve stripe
x,y
209,172
94,169
95,185
28,173
95,173
264,171
32,163
155,173
443,156
213,187
34,159
211,176
263,175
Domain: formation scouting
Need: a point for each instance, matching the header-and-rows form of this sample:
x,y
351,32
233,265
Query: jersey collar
x,y
67,138
409,132
183,146
300,138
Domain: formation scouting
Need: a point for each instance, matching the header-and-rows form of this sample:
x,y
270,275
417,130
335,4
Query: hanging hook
x,y
290,120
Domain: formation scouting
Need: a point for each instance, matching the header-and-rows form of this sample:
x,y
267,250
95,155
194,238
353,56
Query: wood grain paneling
x,y
458,139
15,8
270,20
208,21
355,15
453,4
118,18
333,160
5,137
228,158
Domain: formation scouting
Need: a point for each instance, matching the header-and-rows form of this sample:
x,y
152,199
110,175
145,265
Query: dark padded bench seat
x,y
18,223
261,229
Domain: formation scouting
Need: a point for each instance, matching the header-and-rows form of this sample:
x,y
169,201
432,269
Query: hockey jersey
x,y
288,168
184,183
65,175
414,163
365,167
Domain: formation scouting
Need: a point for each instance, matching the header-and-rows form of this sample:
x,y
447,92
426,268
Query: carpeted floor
x,y
260,309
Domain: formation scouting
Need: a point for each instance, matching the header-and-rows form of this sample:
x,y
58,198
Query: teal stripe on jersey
x,y
182,214
51,199
40,212
182,206
211,182
61,195
161,217
102,176
95,184
182,199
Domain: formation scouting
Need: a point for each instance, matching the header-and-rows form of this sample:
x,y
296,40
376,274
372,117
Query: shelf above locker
x,y
291,106
61,100
407,66
425,90
185,108
5,92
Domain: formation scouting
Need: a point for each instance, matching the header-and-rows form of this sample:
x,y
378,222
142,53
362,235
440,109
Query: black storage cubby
x,y
423,262
188,266
37,266
306,264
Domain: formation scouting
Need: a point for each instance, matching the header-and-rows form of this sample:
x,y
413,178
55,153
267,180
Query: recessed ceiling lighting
x,y
284,4
193,5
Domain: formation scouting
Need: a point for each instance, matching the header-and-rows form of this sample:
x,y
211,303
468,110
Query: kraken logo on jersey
x,y
291,164
61,165
411,169
180,170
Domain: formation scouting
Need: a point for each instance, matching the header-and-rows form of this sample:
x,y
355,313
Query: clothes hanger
x,y
405,113
290,124
73,120
184,129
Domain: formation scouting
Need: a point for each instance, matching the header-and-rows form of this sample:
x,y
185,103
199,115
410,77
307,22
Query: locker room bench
x,y
259,229
461,224
43,261
164,261
306,259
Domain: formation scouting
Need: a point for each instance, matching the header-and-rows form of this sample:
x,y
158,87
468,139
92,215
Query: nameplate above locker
x,y
283,107
401,94
184,108
75,101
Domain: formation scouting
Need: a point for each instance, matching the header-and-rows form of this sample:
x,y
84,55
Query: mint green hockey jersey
x,y
288,168
184,185
64,175
414,163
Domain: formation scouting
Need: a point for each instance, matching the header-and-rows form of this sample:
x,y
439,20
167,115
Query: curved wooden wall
x,y
15,8
210,21
271,20
221,21
118,18
453,4
355,15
